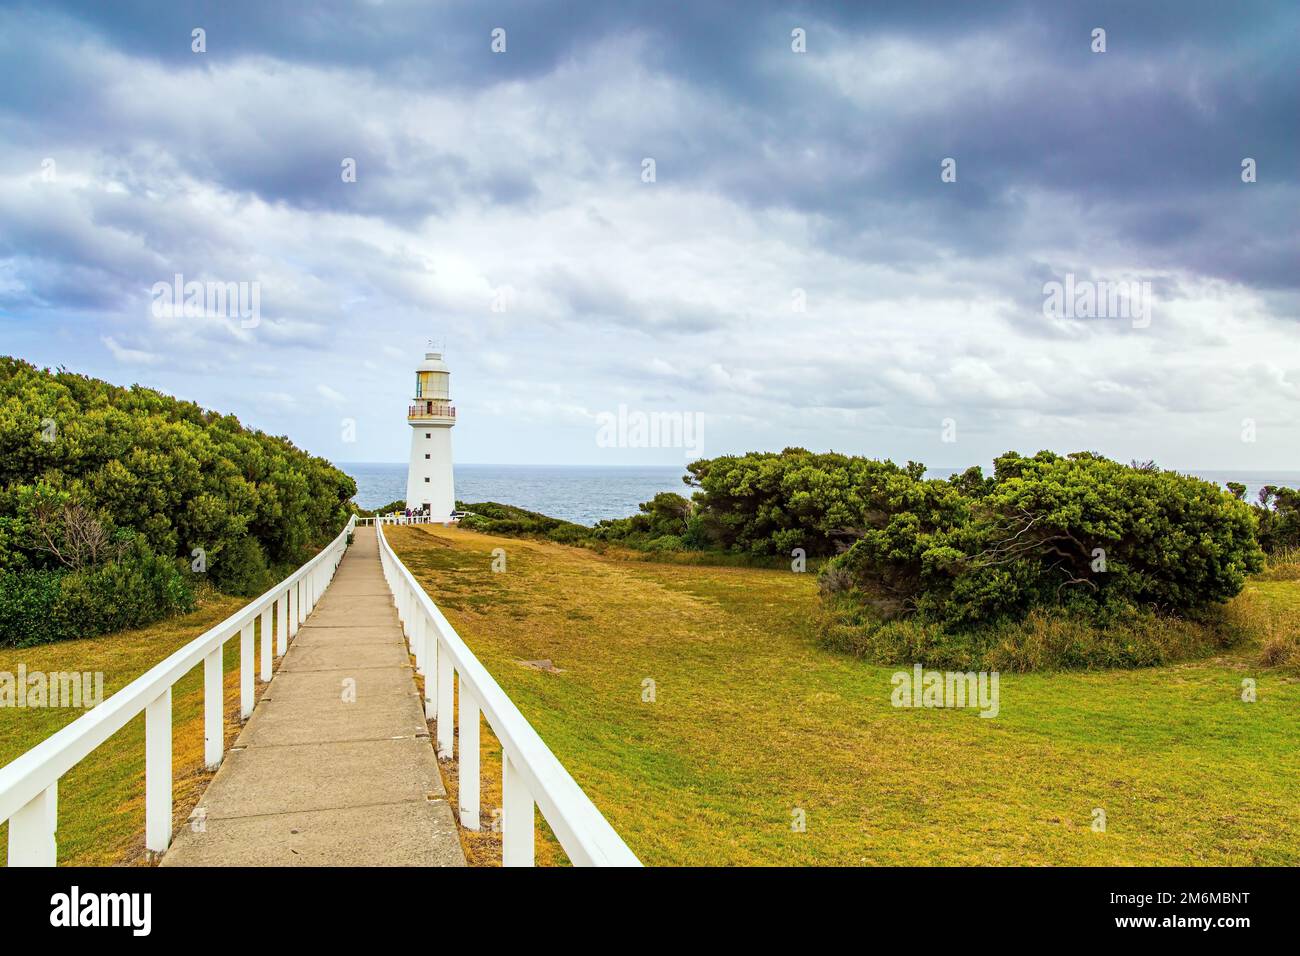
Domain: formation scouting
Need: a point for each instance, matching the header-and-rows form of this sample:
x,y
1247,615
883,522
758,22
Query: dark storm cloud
x,y
1160,122
818,171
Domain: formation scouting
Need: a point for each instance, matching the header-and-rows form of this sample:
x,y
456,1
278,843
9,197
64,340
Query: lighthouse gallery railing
x,y
29,785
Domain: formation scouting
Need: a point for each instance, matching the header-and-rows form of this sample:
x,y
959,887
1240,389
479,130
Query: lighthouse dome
x,y
432,363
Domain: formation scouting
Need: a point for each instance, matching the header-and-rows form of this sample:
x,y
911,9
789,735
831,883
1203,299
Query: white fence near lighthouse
x,y
29,785
532,776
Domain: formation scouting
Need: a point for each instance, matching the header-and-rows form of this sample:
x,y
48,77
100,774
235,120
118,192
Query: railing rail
x,y
431,409
29,784
533,777
419,518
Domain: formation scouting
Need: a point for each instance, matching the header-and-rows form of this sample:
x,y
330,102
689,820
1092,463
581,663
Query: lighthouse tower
x,y
429,484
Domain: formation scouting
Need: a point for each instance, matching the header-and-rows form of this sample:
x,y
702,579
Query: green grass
x,y
753,719
101,800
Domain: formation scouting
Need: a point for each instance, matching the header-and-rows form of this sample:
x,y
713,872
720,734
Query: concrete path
x,y
316,780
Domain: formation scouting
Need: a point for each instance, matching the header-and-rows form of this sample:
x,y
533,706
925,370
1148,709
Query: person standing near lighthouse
x,y
430,486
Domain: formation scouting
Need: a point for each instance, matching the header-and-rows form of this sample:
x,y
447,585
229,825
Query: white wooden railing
x,y
398,519
532,776
29,785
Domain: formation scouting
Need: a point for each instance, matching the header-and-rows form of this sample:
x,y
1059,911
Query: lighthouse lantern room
x,y
429,484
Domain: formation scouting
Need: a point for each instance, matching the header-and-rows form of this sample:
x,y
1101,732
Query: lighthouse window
x,y
426,481
428,456
428,434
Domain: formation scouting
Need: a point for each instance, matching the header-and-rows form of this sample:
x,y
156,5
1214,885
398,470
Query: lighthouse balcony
x,y
431,411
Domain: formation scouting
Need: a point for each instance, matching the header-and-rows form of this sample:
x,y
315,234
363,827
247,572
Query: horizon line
x,y
540,464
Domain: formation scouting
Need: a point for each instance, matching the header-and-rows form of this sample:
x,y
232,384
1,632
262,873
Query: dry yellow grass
x,y
753,720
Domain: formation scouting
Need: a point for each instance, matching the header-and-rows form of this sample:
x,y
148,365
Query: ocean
x,y
581,493
589,493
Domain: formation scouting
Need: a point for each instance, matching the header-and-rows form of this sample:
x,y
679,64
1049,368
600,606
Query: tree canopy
x,y
93,474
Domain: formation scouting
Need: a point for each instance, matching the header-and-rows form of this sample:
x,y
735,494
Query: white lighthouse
x,y
429,483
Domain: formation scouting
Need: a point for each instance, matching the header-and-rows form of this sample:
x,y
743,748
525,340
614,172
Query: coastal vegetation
x,y
118,504
1052,561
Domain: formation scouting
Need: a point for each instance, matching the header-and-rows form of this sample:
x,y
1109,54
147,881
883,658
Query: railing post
x,y
214,728
31,830
298,597
469,753
265,628
291,598
408,624
517,837
419,641
246,671
158,773
281,626
431,671
446,696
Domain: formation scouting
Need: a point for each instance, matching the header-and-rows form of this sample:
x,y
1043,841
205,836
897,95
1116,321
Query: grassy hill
x,y
753,720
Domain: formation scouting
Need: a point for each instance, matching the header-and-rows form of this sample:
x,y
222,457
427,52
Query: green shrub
x,y
1054,561
37,607
1279,518
665,542
27,599
178,475
105,489
129,593
241,568
1079,531
491,517
767,503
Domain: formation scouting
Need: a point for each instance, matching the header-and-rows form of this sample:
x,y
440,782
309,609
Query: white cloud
x,y
128,356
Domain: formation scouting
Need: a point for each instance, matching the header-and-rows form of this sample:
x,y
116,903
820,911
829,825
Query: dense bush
x,y
1279,518
1051,561
27,601
109,491
132,591
1051,530
240,568
768,503
661,525
492,517
39,606
1108,563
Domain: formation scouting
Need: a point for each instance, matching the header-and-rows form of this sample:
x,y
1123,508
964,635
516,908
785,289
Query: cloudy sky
x,y
798,271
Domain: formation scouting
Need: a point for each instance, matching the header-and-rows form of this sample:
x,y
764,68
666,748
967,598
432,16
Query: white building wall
x,y
429,478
